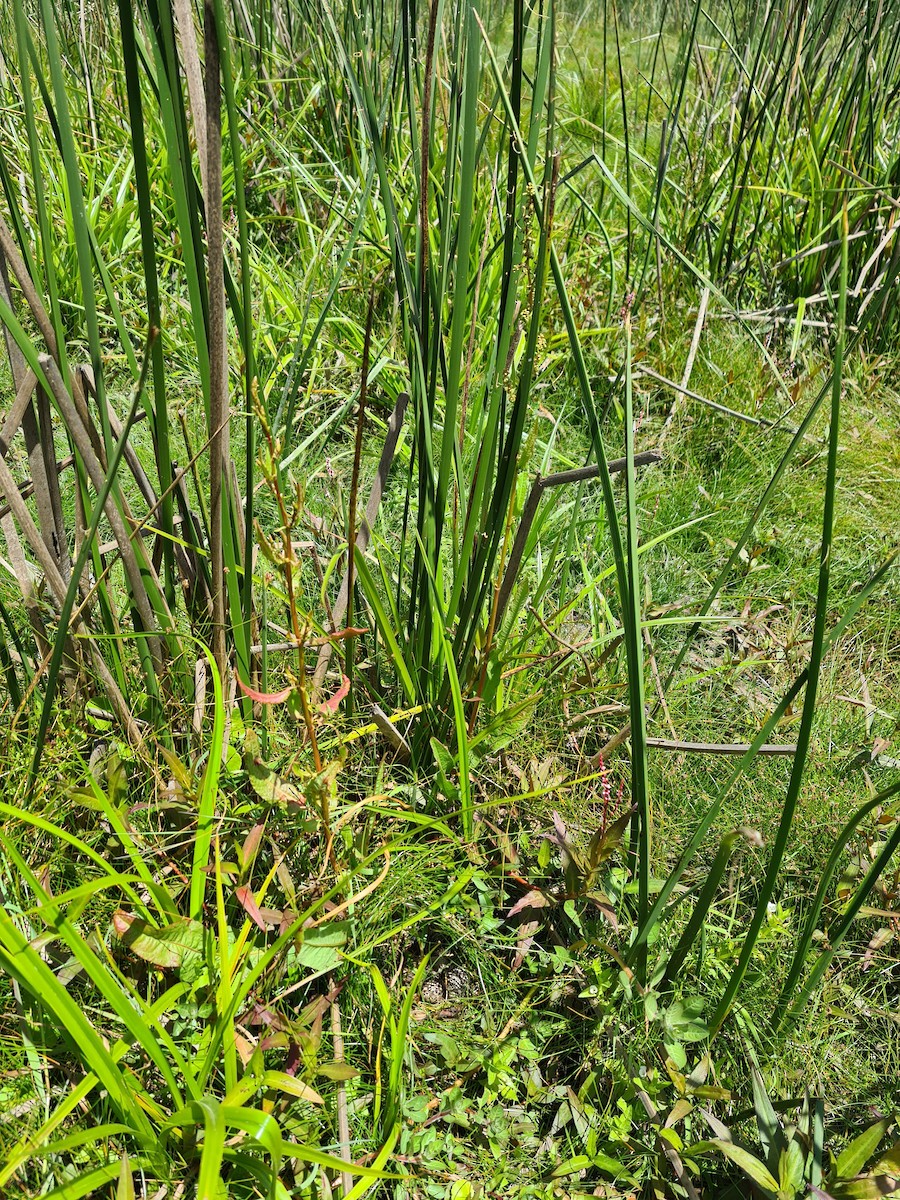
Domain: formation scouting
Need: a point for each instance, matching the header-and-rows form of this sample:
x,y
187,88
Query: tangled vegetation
x,y
448,603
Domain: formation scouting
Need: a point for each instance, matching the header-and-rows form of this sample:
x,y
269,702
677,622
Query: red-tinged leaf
x,y
263,697
247,901
561,837
247,852
605,905
244,1047
525,939
262,1015
122,922
340,634
331,704
532,899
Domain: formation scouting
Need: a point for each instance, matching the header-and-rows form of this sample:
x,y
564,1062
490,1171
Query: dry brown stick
x,y
187,35
185,567
689,365
58,588
86,375
654,669
612,744
35,435
769,748
718,747
337,1042
759,422
26,487
529,512
390,731
138,529
24,389
41,405
31,434
11,252
97,475
24,381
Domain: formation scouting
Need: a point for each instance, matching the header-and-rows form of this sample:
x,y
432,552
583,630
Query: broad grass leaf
x,y
167,947
790,1168
125,1186
870,1187
771,1134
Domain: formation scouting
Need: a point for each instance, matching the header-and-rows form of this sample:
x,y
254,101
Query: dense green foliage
x,y
544,844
